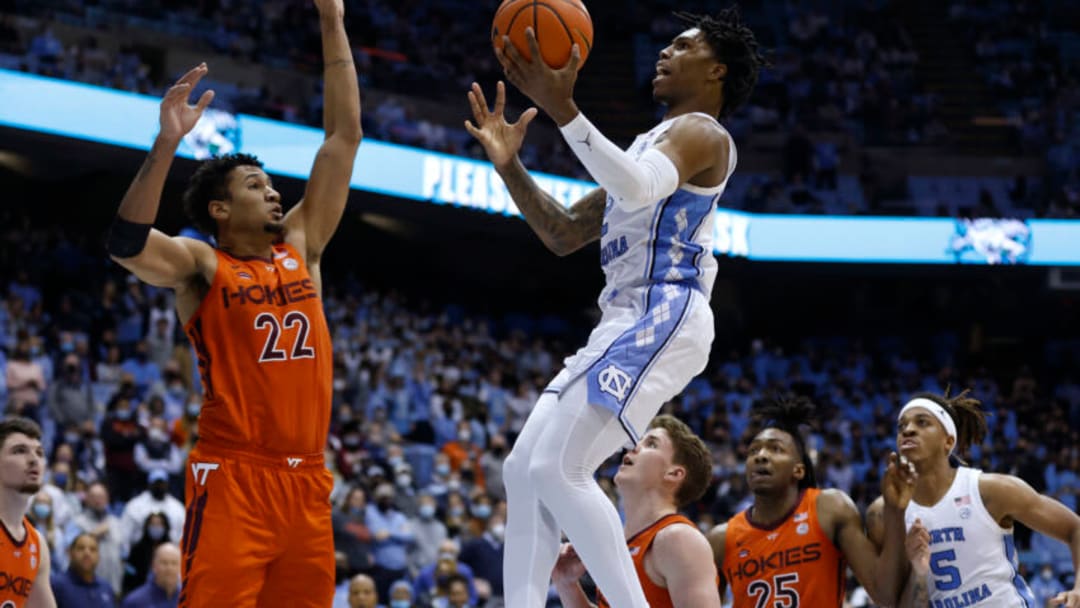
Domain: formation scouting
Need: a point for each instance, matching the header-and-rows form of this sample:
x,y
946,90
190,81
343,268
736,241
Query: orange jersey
x,y
19,562
792,563
264,355
639,545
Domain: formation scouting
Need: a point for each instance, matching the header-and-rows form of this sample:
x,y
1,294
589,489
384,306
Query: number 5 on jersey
x,y
300,349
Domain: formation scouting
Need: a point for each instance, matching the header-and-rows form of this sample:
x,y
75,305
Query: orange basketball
x,y
558,24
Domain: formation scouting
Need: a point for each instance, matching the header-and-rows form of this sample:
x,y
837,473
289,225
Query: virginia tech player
x,y
793,545
24,558
258,529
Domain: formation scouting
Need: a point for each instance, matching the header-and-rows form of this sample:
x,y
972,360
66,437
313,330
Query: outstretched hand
x,y
501,139
550,88
178,117
898,485
1068,599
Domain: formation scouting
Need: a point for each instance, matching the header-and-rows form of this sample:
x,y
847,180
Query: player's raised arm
x,y
133,242
313,221
695,146
562,230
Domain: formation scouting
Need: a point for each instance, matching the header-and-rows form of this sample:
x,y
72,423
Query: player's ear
x,y
676,473
718,71
219,210
800,471
950,443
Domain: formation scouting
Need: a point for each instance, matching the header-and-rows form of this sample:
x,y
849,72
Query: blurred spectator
x,y
25,381
1045,586
162,590
79,586
430,534
120,432
351,533
434,575
155,451
69,398
160,343
393,538
484,556
59,488
401,595
155,499
362,593
96,521
156,530
41,515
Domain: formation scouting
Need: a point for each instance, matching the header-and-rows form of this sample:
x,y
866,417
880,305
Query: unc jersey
x,y
973,561
656,322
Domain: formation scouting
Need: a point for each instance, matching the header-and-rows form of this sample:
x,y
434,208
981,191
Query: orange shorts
x,y
257,531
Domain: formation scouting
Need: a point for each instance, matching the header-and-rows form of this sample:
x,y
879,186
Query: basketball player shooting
x,y
257,530
653,214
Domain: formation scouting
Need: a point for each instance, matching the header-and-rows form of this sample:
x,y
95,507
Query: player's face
x,y
773,462
683,66
920,436
253,202
22,464
648,462
362,593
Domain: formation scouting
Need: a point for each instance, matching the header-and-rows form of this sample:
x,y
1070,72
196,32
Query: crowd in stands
x,y
427,402
851,71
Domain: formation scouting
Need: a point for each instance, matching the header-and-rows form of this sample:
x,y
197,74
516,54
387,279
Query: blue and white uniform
x,y
656,327
973,560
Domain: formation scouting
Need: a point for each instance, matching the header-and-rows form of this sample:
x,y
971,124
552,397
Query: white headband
x,y
936,410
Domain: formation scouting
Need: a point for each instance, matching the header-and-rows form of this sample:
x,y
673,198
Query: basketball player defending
x,y
670,467
24,558
257,530
653,216
793,546
967,516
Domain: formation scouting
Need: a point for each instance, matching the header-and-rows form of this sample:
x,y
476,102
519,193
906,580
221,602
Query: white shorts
x,y
646,349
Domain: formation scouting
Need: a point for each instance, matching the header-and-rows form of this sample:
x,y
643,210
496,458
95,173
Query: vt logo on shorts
x,y
614,382
294,462
204,468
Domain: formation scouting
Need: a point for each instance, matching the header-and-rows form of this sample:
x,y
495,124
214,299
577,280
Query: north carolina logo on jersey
x,y
615,382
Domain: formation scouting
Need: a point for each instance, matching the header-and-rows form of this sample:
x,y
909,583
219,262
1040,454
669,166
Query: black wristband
x,y
127,239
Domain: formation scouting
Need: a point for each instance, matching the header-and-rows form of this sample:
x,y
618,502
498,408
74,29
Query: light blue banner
x,y
126,119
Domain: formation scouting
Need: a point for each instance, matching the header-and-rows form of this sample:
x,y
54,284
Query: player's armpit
x,y
683,556
167,261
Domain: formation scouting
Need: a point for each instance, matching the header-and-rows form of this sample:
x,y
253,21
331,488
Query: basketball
x,y
558,24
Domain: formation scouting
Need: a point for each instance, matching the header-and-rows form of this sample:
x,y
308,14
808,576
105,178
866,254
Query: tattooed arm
x,y
917,592
562,230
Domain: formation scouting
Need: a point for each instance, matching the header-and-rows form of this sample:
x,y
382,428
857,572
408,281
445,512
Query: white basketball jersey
x,y
973,560
669,241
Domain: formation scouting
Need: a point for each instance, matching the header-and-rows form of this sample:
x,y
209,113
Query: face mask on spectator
x,y
404,480
193,409
385,503
122,414
71,437
498,531
156,532
481,511
356,511
60,479
400,604
427,511
464,436
351,441
1047,574
158,435
442,469
457,511
453,485
395,461
42,510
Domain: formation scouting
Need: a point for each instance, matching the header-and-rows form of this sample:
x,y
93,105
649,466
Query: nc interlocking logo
x,y
993,241
615,382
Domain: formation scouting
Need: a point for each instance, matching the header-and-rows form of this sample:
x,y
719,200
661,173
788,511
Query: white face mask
x,y
499,532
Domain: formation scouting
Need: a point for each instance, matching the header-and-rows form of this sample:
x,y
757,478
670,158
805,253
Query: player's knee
x,y
545,472
515,468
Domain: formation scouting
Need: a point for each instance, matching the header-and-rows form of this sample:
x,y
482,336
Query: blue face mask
x,y
442,469
481,511
60,479
122,414
427,511
42,510
400,604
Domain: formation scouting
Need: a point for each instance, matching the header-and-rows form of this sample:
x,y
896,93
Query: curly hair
x,y
207,184
968,415
734,45
790,414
